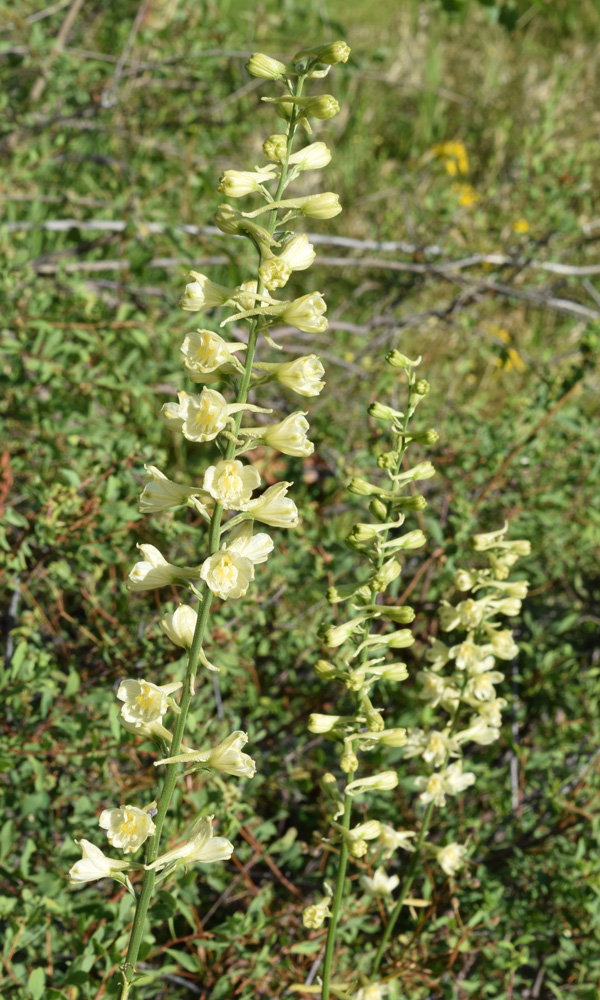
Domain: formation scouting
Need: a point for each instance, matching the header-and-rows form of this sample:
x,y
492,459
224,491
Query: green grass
x,y
88,358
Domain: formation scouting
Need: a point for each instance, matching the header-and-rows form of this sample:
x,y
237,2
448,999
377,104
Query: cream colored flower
x,y
273,507
153,571
491,711
374,991
306,313
314,916
225,757
304,375
297,252
450,858
391,839
381,884
145,702
503,644
198,417
231,483
479,731
434,789
438,747
289,436
312,157
161,493
127,827
481,686
455,780
179,626
202,846
202,293
94,865
204,352
256,548
227,573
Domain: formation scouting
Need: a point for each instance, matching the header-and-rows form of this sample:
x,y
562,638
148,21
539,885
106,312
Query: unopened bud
x,y
388,460
363,489
421,387
265,67
324,669
380,411
378,509
410,503
384,576
394,738
398,360
348,760
275,148
329,55
375,723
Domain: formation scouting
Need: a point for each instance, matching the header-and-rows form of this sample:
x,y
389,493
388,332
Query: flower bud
x,y
324,669
329,54
265,67
202,293
348,760
382,782
297,252
313,157
275,148
237,183
388,460
398,360
393,738
421,388
411,540
430,436
400,615
336,635
488,539
362,489
375,723
180,625
380,411
322,106
410,503
319,723
320,206
385,575
463,580
378,509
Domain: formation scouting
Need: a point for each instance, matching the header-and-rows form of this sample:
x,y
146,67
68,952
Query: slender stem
x,y
343,858
214,534
408,881
337,899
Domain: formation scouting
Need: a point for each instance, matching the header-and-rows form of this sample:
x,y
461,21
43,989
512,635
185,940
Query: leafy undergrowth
x,y
458,139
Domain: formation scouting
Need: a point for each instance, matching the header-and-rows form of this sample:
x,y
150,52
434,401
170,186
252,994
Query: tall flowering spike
x,y
228,552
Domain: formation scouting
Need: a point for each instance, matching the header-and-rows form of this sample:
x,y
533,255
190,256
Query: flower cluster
x,y
368,640
223,360
460,679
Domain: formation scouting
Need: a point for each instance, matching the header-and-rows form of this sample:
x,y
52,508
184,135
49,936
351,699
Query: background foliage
x,y
129,123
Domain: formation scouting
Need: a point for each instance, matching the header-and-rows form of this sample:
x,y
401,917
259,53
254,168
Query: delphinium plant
x,y
231,548
458,683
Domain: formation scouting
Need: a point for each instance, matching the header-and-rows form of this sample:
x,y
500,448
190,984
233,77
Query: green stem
x,y
214,535
337,899
408,881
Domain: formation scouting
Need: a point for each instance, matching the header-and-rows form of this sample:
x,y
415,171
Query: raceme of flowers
x,y
220,361
458,681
